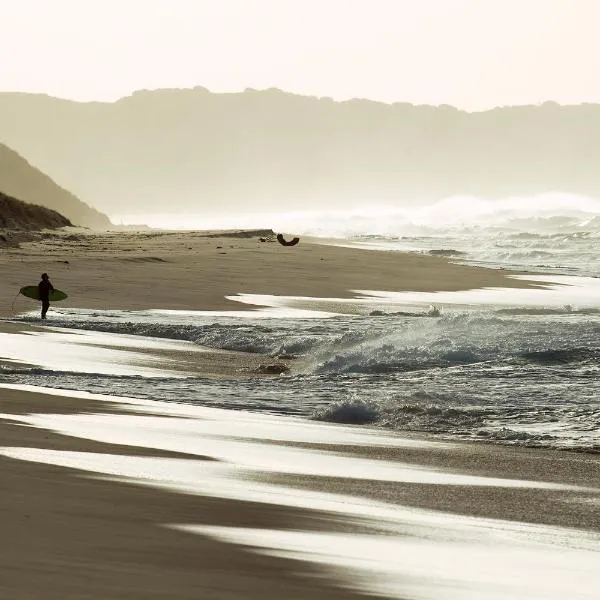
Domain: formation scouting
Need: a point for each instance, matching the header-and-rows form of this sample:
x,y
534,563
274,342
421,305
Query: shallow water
x,y
488,372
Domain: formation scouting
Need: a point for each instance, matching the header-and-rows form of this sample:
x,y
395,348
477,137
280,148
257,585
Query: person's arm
x,y
51,287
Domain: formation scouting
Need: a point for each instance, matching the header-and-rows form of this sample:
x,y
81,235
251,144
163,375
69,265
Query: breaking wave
x,y
529,214
231,334
527,378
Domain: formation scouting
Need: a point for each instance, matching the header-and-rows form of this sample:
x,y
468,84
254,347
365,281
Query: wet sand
x,y
67,536
73,533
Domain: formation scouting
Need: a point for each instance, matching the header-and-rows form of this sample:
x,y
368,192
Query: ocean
x,y
505,366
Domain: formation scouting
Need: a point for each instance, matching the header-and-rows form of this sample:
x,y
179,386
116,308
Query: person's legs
x,y
45,307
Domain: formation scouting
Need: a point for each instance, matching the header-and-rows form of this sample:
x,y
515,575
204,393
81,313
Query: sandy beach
x,y
110,498
200,270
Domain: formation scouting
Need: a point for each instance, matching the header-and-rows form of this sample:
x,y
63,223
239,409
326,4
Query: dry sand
x,y
67,536
198,270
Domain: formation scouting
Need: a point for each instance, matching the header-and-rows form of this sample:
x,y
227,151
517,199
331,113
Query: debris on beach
x,y
285,242
273,369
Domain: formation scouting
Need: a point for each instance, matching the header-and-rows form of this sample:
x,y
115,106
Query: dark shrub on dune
x,y
21,216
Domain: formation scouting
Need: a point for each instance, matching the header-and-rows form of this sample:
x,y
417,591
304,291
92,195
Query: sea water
x,y
504,366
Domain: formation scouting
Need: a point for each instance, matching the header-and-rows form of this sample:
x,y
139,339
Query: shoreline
x,y
74,536
115,539
202,270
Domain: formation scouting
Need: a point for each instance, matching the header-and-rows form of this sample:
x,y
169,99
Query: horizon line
x,y
200,88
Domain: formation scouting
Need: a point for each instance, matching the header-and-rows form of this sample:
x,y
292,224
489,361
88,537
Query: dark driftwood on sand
x,y
284,242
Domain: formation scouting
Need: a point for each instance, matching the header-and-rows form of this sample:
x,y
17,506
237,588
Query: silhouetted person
x,y
45,287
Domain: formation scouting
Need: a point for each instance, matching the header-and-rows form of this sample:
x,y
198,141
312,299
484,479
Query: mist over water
x,y
543,213
555,233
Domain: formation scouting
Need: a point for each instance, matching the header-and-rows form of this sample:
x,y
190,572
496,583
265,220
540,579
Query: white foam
x,y
554,291
372,218
207,438
507,563
80,351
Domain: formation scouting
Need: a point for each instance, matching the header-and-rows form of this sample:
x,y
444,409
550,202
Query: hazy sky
x,y
470,53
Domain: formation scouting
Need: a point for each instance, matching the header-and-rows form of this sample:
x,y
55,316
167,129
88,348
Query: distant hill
x,y
170,150
22,216
20,179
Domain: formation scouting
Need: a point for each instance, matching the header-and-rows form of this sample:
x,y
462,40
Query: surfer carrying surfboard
x,y
44,288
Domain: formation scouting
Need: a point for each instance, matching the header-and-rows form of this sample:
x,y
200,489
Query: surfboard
x,y
32,291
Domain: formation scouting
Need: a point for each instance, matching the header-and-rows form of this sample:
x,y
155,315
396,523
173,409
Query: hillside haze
x,y
193,150
23,181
